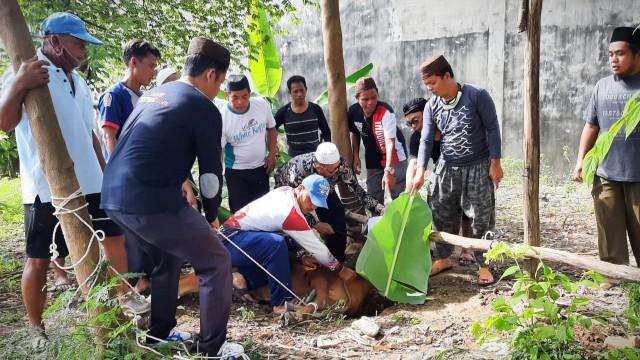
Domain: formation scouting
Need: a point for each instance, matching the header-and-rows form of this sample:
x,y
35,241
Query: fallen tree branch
x,y
611,271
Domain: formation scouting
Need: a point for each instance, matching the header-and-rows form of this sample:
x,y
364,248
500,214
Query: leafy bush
x,y
8,154
539,328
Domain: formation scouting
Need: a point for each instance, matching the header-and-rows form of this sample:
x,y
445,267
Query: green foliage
x,y
265,68
622,354
168,24
632,313
629,120
11,208
8,154
539,328
396,258
351,79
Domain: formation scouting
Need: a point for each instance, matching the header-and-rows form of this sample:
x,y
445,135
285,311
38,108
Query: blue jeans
x,y
270,251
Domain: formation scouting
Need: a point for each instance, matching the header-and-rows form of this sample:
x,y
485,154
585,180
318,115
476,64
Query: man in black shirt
x,y
302,119
171,126
413,117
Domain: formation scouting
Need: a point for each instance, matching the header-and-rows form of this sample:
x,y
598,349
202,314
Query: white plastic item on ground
x,y
366,326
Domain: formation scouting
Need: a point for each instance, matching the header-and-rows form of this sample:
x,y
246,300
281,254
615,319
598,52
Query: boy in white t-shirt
x,y
248,130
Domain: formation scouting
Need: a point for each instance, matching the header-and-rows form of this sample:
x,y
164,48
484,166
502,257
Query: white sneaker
x,y
134,304
178,336
231,351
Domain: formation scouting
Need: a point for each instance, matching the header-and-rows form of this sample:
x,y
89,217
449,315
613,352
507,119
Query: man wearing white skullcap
x,y
327,162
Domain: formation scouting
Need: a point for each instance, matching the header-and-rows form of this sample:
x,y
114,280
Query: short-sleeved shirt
x,y
115,105
302,129
171,126
74,111
244,135
373,131
470,129
414,146
605,107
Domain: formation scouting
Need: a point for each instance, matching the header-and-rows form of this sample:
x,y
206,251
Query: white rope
x,y
263,269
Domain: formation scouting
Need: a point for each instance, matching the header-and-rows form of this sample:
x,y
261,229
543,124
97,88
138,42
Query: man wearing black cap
x,y
248,131
413,117
170,127
616,187
374,122
469,165
64,47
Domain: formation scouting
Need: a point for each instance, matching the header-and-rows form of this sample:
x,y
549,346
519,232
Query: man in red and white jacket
x,y
256,230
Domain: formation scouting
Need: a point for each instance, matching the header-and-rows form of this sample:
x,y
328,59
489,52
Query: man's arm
x,y
426,145
325,131
109,137
587,140
351,182
489,118
208,140
355,149
308,240
30,75
272,145
98,150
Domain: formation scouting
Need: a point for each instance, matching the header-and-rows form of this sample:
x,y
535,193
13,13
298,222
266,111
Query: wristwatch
x,y
389,169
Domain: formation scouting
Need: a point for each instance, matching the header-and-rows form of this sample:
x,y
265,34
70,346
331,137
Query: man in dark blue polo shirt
x,y
171,126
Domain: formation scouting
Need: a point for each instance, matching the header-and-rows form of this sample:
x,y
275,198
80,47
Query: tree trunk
x,y
611,271
56,163
336,84
531,172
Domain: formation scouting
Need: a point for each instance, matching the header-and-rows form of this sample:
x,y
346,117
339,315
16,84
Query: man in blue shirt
x,y
171,126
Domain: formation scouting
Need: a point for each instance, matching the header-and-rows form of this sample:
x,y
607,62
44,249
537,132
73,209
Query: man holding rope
x,y
142,192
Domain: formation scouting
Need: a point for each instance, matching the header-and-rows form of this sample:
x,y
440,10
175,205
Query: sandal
x,y
439,266
243,295
466,258
485,277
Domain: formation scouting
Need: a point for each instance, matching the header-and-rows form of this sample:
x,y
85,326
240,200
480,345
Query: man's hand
x,y
32,74
495,172
577,172
270,162
187,192
347,274
357,166
324,229
418,180
388,181
215,224
309,263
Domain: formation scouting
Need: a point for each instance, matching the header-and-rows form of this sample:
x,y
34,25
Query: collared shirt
x,y
75,118
298,168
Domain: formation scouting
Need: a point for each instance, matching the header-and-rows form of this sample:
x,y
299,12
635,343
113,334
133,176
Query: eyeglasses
x,y
413,122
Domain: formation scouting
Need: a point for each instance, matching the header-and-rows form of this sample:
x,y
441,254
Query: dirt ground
x,y
437,329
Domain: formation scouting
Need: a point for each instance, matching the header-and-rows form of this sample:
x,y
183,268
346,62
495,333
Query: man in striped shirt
x,y
302,119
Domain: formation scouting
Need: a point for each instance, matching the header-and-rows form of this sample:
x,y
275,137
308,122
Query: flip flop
x,y
439,266
466,258
485,277
243,295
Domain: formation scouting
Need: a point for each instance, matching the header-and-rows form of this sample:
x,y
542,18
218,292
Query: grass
x,y
11,209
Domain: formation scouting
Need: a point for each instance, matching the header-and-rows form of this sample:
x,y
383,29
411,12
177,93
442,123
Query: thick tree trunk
x,y
56,163
611,271
531,172
336,84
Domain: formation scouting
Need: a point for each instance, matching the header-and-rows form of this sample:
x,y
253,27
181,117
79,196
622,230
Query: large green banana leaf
x,y
629,120
323,99
396,257
265,68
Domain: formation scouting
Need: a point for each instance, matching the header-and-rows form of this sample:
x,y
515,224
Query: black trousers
x,y
334,216
170,239
244,186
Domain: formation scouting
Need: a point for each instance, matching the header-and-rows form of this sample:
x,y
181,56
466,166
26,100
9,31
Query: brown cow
x,y
329,288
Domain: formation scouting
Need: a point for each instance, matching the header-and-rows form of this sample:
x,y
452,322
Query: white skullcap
x,y
327,153
164,74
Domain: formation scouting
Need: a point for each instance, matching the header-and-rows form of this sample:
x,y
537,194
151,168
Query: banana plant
x,y
323,99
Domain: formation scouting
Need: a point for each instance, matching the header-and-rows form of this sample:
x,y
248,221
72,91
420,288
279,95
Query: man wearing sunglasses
x,y
327,162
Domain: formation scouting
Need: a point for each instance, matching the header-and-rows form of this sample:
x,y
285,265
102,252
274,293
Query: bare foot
x,y
279,310
440,265
61,281
485,277
466,258
240,287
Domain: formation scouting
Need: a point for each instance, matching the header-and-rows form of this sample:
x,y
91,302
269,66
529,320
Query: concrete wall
x,y
480,39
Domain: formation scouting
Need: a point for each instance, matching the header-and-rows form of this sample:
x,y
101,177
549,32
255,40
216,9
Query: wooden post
x,y
531,171
55,160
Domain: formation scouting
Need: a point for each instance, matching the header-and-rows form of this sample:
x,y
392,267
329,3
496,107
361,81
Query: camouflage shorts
x,y
463,202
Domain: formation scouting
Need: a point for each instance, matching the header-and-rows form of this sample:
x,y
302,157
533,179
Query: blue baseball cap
x,y
319,189
68,24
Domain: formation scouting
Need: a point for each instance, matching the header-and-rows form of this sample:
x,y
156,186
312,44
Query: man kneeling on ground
x,y
253,229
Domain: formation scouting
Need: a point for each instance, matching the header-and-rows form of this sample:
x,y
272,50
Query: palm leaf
x,y
629,119
323,99
265,68
396,257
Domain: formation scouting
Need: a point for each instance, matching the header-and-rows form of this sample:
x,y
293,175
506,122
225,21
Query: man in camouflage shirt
x,y
327,162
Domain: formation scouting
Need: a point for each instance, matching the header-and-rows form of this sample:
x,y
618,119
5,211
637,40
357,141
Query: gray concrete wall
x,y
480,39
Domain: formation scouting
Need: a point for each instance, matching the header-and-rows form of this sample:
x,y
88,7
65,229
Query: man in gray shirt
x,y
469,165
616,187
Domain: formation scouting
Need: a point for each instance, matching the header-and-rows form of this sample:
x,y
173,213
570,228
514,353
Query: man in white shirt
x,y
65,38
248,130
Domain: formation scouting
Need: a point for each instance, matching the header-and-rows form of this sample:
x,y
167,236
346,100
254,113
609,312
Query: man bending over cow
x,y
253,229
